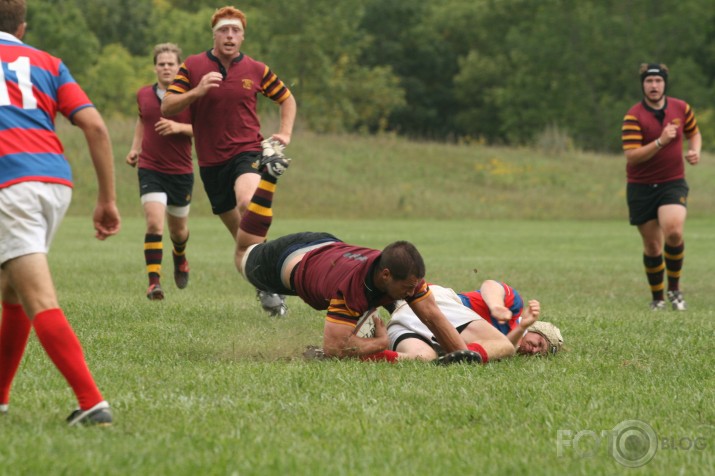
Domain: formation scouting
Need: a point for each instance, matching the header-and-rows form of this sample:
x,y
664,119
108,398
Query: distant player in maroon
x,y
161,149
657,193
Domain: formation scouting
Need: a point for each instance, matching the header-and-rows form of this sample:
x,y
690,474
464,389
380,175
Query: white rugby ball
x,y
365,327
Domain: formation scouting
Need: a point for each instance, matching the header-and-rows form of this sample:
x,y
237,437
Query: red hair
x,y
228,12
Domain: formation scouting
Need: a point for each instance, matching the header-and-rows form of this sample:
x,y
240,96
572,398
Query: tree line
x,y
513,72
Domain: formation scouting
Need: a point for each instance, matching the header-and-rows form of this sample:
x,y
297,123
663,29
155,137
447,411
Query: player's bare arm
x,y
493,294
695,144
647,151
133,155
528,317
428,312
289,109
340,341
173,104
106,215
166,127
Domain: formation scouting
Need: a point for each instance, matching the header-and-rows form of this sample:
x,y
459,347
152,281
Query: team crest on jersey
x,y
676,121
247,83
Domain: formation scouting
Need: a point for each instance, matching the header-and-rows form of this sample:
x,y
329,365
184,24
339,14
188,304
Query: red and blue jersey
x,y
512,300
34,86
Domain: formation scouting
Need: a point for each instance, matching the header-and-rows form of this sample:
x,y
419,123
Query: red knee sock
x,y
387,355
14,333
479,350
63,347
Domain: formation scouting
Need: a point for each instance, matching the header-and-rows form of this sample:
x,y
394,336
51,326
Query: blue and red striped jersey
x,y
34,86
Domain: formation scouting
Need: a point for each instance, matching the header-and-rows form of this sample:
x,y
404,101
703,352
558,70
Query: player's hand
x,y
282,138
106,220
209,81
165,127
501,313
669,133
380,328
132,158
531,314
692,156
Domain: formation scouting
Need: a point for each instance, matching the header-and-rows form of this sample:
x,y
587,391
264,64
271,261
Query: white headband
x,y
228,21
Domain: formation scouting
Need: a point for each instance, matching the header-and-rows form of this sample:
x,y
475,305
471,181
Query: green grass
x,y
351,177
204,383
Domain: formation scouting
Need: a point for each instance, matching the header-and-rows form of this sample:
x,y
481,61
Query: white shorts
x,y
30,214
405,321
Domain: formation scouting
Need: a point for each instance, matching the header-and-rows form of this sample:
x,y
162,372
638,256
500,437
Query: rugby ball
x,y
365,327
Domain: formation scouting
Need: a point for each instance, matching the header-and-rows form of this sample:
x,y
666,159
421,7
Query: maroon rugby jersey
x,y
225,120
640,127
337,277
169,154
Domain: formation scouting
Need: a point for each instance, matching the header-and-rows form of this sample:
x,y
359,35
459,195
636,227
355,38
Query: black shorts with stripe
x,y
177,187
219,180
264,262
645,199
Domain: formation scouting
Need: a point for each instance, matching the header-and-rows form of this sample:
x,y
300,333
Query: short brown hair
x,y
403,260
12,15
228,12
167,48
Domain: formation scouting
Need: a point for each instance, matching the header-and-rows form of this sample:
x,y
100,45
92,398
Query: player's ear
x,y
21,30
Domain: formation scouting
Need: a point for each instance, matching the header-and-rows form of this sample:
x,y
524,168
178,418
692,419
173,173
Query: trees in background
x,y
494,71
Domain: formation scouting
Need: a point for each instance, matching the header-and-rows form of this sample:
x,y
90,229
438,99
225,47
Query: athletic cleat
x,y
155,293
181,275
657,305
99,415
272,303
460,357
273,160
3,409
676,299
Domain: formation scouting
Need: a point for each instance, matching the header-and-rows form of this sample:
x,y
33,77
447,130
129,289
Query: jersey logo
x,y
676,121
355,256
247,83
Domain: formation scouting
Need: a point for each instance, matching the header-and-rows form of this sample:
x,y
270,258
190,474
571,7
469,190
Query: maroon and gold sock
x,y
153,254
259,215
654,270
61,344
179,252
674,256
14,333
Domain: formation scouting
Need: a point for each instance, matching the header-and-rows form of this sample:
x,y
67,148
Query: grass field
x,y
204,383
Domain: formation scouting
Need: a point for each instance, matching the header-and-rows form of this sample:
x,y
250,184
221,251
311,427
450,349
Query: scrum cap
x,y
551,333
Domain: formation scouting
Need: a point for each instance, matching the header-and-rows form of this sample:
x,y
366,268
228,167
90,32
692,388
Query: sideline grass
x,y
204,383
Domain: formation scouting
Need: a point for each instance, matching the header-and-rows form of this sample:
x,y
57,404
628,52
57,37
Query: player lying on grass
x,y
348,281
494,317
